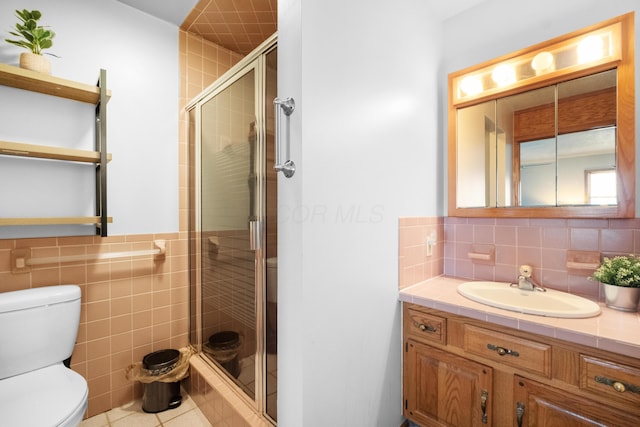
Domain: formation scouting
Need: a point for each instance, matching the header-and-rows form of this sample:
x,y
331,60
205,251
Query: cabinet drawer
x,y
610,379
426,326
509,350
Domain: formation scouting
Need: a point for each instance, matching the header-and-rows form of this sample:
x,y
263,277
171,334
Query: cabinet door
x,y
539,405
443,389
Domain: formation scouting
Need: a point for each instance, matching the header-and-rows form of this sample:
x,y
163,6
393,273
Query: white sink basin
x,y
550,303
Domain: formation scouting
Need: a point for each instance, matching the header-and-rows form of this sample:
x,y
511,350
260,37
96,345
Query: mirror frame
x,y
625,145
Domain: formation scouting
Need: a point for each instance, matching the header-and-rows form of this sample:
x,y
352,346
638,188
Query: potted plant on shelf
x,y
620,277
34,38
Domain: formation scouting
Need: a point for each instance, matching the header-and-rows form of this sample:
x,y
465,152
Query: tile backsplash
x,y
498,246
415,265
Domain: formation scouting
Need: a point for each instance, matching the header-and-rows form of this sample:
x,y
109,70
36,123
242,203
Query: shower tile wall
x,y
542,243
201,63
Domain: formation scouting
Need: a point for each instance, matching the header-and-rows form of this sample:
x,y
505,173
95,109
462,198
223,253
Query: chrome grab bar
x,y
287,105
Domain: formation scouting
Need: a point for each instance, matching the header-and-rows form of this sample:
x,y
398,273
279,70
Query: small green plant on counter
x,y
621,270
32,36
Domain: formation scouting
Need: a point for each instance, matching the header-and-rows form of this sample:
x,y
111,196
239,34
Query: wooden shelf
x,y
95,95
46,152
54,220
43,83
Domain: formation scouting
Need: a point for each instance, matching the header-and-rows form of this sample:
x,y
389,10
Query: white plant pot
x,y
621,298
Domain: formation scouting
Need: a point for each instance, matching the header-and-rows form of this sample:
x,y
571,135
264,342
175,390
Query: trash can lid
x,y
161,359
224,339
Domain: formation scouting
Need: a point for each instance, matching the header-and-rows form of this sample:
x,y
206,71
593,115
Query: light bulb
x,y
590,49
503,75
543,63
471,85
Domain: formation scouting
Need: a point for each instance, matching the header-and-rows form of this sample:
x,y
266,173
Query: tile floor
x,y
132,415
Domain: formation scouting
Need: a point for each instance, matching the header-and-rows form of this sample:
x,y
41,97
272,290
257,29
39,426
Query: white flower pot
x,y
621,298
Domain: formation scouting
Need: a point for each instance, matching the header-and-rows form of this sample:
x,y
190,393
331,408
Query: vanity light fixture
x,y
576,53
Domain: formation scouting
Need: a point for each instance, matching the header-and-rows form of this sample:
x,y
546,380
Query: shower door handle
x,y
255,235
286,106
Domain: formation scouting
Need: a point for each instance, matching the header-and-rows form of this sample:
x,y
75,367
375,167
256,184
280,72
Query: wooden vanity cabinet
x,y
539,405
445,389
459,371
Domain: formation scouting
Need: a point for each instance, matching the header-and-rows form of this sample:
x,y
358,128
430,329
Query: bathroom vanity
x,y
517,132
468,364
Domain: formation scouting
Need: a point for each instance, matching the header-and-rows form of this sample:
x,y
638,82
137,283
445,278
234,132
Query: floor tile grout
x,y
132,414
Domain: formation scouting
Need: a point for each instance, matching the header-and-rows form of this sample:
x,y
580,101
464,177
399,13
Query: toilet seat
x,y
55,396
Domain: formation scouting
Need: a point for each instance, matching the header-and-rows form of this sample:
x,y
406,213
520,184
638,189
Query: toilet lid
x,y
44,397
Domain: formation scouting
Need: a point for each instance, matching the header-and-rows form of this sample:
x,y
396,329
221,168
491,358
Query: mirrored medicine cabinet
x,y
548,131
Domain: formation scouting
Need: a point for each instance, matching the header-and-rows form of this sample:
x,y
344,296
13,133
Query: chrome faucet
x,y
525,282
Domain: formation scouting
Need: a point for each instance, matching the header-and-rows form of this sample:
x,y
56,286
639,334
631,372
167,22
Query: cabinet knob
x,y
502,351
618,386
425,328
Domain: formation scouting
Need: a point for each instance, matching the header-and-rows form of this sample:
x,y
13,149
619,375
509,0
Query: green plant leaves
x,y
35,37
619,271
26,15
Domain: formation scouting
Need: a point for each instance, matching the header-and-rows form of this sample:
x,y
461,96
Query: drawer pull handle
x,y
618,386
519,412
502,351
425,328
483,405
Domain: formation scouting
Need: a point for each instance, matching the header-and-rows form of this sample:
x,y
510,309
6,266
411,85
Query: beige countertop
x,y
612,330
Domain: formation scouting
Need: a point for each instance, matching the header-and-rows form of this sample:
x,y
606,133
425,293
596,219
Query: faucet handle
x,y
526,270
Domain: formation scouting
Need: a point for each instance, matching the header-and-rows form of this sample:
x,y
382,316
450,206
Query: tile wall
x,y
545,244
414,264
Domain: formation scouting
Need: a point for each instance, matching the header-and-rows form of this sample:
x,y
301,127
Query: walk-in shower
x,y
233,227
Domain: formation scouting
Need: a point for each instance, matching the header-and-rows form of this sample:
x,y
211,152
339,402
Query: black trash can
x,y
160,396
224,349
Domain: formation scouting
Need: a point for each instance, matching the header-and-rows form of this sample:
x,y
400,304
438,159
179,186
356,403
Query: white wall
x,y
517,24
140,54
369,133
365,140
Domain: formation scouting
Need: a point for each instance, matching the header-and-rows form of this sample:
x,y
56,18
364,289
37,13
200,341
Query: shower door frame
x,y
256,60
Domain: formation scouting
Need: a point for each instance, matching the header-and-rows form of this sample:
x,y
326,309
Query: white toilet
x,y
38,329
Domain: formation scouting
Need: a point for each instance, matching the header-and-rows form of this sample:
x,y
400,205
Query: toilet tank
x,y
38,327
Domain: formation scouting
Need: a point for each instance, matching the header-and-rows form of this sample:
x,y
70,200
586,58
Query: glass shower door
x,y
230,221
233,228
